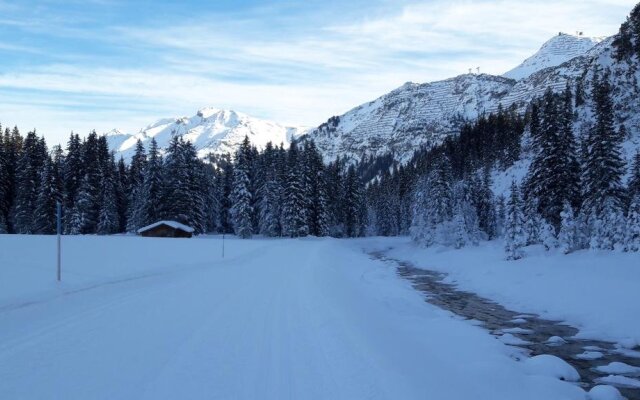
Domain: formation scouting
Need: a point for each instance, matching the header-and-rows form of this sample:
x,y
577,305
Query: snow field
x,y
276,319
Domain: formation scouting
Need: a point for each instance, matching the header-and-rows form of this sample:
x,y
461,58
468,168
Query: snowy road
x,y
306,319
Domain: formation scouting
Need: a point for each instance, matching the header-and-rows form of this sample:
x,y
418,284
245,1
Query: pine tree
x,y
514,234
294,211
27,182
81,219
151,188
45,212
354,208
108,221
241,210
548,236
633,188
603,170
316,191
568,240
554,174
4,181
501,215
122,183
73,174
433,204
136,201
633,225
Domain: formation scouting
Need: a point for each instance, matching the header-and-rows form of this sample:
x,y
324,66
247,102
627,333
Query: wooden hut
x,y
169,229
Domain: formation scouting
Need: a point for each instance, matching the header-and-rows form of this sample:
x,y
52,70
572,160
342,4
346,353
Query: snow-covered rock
x,y
552,366
604,392
557,50
211,131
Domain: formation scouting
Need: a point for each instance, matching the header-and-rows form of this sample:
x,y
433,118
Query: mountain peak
x,y
555,51
210,130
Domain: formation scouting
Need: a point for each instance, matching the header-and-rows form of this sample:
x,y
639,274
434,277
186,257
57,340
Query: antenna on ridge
x,y
478,69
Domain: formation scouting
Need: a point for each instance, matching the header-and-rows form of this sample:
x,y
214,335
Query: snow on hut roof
x,y
173,224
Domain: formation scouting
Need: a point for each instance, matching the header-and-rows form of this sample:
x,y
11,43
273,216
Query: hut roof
x,y
173,224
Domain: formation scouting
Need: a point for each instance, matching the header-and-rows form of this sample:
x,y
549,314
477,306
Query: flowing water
x,y
529,332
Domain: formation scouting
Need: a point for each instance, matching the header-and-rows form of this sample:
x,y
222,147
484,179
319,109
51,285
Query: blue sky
x,y
103,64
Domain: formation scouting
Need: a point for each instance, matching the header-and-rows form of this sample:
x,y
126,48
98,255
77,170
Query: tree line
x,y
274,192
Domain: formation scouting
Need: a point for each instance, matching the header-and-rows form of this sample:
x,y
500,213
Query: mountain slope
x,y
557,50
422,115
211,131
411,116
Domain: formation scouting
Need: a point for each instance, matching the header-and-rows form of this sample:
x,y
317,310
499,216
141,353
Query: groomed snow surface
x,y
147,318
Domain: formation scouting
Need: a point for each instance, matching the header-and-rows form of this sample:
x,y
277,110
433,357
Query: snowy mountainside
x,y
211,131
554,52
422,115
409,117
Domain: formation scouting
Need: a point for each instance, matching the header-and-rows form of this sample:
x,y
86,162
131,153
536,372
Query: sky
x,y
80,65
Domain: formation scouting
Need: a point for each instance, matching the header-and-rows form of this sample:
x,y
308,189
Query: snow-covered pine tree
x,y
567,238
316,191
108,222
4,180
554,174
270,194
151,188
73,174
355,211
136,201
241,209
514,237
45,212
633,225
633,188
335,181
28,170
548,236
122,183
82,219
93,162
604,196
433,204
294,211
501,213
532,222
484,203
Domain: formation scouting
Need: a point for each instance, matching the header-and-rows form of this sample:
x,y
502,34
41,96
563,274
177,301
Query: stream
x,y
529,332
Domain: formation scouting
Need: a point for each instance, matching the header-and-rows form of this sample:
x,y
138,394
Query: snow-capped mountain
x,y
422,115
211,131
557,50
411,116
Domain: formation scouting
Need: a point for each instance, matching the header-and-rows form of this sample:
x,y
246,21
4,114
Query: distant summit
x,y
557,50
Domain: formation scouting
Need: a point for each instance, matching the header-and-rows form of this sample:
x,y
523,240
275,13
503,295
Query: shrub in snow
x,y
548,236
567,239
633,225
514,237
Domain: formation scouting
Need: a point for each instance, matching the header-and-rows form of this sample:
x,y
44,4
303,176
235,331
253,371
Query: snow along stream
x,y
597,362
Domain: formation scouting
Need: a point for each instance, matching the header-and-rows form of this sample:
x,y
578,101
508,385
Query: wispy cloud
x,y
285,62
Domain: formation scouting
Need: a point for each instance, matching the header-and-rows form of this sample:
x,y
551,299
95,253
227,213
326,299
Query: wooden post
x,y
59,229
